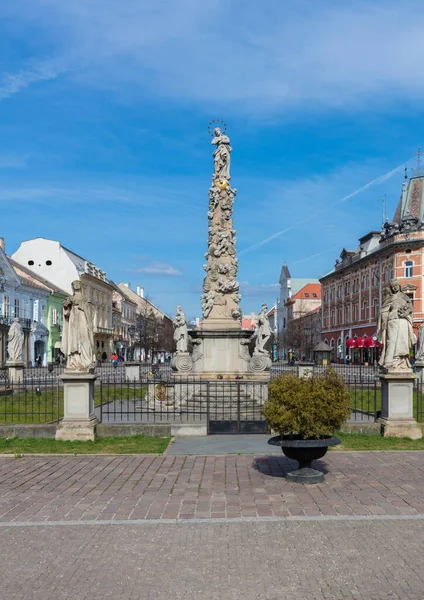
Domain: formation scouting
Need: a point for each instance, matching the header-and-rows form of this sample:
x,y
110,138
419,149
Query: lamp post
x,y
131,331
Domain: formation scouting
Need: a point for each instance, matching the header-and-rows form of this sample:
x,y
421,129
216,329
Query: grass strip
x,y
364,441
134,444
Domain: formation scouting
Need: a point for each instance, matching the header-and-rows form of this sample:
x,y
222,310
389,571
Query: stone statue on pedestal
x,y
264,331
15,343
180,331
221,155
78,336
419,356
395,330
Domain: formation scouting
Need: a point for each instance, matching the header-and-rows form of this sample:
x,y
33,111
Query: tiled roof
x,y
310,291
248,324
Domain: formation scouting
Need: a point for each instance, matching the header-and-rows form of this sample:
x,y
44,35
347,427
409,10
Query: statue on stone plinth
x,y
180,331
264,331
78,335
221,155
395,330
15,342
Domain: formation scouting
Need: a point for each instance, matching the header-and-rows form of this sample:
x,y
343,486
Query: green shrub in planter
x,y
308,407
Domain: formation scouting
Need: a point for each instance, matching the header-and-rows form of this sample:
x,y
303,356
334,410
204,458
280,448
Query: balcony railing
x,y
103,330
8,320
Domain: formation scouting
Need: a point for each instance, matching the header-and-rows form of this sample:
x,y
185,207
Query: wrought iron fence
x,y
36,401
229,406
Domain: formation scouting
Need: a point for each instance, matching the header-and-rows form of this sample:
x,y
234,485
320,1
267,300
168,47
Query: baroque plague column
x,y
221,345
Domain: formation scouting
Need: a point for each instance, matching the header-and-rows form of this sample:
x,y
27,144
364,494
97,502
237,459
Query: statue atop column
x,y
395,330
221,155
78,335
15,344
220,301
180,331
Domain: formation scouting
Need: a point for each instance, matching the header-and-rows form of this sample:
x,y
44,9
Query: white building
x,y
27,300
61,266
288,288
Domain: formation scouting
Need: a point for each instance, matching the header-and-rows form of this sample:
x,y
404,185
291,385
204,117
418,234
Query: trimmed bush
x,y
311,408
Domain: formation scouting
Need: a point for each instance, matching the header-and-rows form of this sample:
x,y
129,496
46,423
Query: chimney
x,y
127,285
140,291
2,243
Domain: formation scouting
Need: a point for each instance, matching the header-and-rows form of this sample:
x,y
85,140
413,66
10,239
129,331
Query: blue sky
x,y
104,111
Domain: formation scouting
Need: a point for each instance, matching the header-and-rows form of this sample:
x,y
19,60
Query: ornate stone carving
x,y
221,299
78,336
180,331
15,344
263,332
395,330
259,362
182,362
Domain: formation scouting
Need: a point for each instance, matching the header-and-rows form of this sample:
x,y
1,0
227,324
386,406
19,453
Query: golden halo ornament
x,y
216,123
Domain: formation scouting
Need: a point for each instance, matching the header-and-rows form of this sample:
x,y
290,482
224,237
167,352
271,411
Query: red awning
x,y
350,343
379,345
369,342
360,342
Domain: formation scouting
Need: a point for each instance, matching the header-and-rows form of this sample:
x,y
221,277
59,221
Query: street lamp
x,y
131,331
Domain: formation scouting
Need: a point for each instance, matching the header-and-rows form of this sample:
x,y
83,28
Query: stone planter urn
x,y
304,451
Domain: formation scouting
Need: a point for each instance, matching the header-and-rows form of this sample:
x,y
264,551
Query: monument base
x,y
79,420
225,352
15,370
397,391
132,371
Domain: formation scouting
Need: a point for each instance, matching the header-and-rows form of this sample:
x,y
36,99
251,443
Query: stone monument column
x,y
79,421
397,377
221,345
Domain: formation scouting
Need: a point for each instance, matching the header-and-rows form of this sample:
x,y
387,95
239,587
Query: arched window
x,y
409,267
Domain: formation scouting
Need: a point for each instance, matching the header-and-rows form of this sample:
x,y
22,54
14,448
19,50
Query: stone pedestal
x,y
226,352
132,371
182,363
397,391
15,370
306,369
79,421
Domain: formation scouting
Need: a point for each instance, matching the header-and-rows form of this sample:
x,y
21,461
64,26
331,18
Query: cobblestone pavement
x,y
212,527
154,487
325,560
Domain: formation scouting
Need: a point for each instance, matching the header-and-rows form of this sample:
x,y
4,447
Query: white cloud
x,y
274,55
12,83
250,290
157,268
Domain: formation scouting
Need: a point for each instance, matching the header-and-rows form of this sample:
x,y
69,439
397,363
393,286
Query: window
x,y
314,295
365,307
306,295
17,307
30,262
48,263
6,306
409,265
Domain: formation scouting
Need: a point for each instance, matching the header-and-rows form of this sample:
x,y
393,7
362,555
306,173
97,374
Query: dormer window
x,y
306,295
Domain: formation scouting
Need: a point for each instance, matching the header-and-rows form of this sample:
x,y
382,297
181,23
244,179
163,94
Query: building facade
x,y
303,328
288,287
354,290
53,262
124,313
26,299
153,338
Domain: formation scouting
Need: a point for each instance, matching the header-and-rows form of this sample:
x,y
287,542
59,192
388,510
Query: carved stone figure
x,y
207,303
228,285
221,155
264,331
180,331
395,329
78,336
15,342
